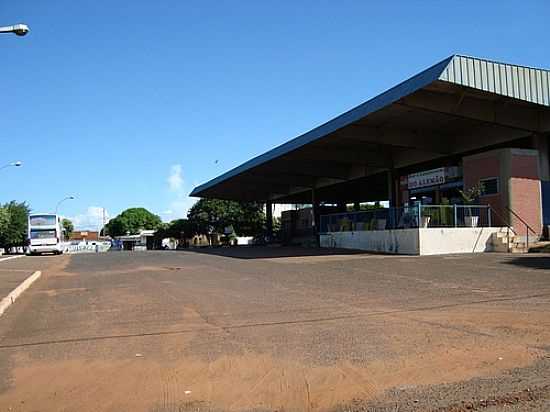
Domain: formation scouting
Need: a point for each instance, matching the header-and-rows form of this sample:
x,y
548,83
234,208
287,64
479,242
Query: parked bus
x,y
45,234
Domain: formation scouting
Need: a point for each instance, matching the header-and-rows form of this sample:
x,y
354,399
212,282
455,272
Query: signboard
x,y
428,178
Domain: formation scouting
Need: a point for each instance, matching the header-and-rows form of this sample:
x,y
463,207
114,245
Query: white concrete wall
x,y
429,241
84,247
438,241
401,241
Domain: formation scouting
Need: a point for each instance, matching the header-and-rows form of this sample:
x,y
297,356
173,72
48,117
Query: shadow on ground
x,y
533,262
264,252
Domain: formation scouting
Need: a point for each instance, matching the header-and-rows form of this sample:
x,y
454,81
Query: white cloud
x,y
180,202
175,179
92,219
180,206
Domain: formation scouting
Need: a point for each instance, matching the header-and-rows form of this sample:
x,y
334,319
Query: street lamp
x,y
61,201
14,164
17,29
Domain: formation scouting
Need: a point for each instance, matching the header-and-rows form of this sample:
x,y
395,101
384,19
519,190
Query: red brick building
x,y
84,235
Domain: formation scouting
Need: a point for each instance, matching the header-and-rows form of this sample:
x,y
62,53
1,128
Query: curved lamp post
x,y
61,201
14,164
17,29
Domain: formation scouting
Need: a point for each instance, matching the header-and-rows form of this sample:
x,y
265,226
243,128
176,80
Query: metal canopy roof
x,y
518,82
459,104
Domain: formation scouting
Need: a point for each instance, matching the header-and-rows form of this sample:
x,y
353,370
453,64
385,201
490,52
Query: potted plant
x,y
470,196
424,218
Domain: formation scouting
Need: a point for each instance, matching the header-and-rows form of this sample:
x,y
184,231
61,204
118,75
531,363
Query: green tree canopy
x,y
68,227
14,232
176,229
179,228
214,215
132,221
4,219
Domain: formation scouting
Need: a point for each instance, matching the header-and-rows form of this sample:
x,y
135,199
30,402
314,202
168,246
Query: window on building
x,y
490,186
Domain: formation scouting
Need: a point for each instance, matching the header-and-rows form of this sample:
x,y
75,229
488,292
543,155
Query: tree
x,y
4,219
180,229
68,227
214,215
15,232
132,221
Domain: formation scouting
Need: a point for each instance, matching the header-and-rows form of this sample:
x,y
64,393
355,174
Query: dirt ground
x,y
268,329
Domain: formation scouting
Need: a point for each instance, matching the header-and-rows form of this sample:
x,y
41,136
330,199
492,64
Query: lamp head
x,y
21,29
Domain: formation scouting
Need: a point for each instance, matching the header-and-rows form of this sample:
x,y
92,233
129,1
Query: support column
x,y
540,143
356,206
392,192
315,219
269,220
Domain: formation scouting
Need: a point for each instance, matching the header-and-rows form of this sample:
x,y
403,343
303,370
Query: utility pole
x,y
61,201
103,221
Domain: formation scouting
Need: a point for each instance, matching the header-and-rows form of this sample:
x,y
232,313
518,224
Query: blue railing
x,y
408,217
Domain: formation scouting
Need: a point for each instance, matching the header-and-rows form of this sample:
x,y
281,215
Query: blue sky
x,y
131,103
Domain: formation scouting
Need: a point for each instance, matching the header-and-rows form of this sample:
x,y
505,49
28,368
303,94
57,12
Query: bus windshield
x,y
42,220
43,233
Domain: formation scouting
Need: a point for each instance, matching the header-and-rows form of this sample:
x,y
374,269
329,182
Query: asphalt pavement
x,y
268,329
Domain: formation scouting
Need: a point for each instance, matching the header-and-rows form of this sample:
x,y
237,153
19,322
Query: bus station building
x,y
463,123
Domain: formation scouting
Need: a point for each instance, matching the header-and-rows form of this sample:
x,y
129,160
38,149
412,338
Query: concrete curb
x,y
14,294
10,257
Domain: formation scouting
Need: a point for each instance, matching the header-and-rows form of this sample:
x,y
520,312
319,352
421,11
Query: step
x,y
502,234
518,243
505,240
502,241
511,244
513,249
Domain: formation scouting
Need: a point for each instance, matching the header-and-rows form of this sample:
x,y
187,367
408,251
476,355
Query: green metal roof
x,y
517,82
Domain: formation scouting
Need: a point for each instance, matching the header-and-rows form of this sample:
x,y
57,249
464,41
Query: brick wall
x,y
525,192
518,174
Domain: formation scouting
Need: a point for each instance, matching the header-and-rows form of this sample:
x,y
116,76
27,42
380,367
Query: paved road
x,y
13,271
186,331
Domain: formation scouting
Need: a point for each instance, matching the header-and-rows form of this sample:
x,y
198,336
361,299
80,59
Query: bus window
x,y
42,220
43,234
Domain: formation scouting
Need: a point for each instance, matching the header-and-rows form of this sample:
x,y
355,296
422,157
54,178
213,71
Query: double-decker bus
x,y
45,234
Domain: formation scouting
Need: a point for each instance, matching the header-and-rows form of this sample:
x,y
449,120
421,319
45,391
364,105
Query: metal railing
x,y
527,227
510,227
423,216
